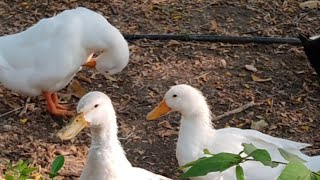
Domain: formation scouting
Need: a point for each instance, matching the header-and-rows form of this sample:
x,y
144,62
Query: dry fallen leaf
x,y
310,5
259,125
214,25
173,42
165,133
158,1
251,68
165,124
110,78
84,78
305,128
257,79
223,62
76,89
24,120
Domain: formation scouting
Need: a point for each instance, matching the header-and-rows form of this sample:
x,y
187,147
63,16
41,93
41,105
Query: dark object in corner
x,y
311,48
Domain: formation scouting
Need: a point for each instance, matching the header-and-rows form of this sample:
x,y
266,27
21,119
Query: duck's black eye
x,y
174,95
96,105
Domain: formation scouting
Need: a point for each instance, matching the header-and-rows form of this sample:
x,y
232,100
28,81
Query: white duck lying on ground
x,y
106,159
44,58
197,133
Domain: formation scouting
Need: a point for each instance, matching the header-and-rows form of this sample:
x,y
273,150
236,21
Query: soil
x,y
288,100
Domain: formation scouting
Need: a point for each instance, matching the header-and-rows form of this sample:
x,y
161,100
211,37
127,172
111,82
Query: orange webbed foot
x,y
54,107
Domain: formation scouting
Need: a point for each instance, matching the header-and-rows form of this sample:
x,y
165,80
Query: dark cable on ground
x,y
216,38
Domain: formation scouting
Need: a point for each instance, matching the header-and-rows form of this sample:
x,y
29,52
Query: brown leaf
x,y
12,104
223,62
257,79
165,124
110,78
84,78
173,43
259,125
76,89
305,128
213,25
164,133
158,1
251,68
310,5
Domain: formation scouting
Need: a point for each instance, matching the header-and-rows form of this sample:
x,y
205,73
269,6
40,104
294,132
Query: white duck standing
x,y
106,159
44,58
197,133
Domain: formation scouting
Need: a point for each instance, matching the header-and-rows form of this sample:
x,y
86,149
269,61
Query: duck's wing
x,y
264,141
274,141
140,173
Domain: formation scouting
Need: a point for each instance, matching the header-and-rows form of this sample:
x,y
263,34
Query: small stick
x,y
125,138
235,111
9,112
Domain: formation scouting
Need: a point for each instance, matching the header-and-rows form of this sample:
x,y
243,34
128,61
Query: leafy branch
x,y
294,170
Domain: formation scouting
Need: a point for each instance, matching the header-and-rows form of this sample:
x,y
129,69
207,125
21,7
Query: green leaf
x,y
296,171
218,162
315,177
264,157
56,165
290,157
248,148
206,151
28,170
9,177
192,163
23,177
239,173
21,165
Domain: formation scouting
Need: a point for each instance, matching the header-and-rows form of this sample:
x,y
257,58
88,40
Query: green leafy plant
x,y
22,170
294,170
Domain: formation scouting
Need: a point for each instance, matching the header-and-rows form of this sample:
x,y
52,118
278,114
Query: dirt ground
x,y
288,99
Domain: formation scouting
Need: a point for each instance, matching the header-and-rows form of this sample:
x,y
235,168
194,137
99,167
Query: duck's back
x,y
72,31
47,55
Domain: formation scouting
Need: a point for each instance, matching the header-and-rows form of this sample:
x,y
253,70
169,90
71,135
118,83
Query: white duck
x,y
44,58
197,133
106,159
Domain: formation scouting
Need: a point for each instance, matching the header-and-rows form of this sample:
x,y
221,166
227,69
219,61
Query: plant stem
x,y
271,161
317,174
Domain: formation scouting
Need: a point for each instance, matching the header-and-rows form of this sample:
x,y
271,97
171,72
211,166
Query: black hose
x,y
216,38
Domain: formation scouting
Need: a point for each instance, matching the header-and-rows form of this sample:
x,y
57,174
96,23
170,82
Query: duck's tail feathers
x,y
314,164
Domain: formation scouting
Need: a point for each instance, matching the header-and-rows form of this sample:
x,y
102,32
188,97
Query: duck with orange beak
x,y
196,133
44,58
106,158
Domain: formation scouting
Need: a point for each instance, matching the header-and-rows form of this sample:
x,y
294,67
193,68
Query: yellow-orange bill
x,y
74,128
159,111
91,63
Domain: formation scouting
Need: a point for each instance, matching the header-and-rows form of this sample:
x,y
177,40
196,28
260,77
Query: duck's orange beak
x,y
159,111
74,128
91,63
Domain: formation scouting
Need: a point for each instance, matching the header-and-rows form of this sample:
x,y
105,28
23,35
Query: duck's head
x,y
113,60
94,110
182,98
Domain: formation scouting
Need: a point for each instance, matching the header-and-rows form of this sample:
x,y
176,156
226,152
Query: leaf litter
x,y
215,68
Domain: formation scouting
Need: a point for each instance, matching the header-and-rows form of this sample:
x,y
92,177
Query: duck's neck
x,y
106,156
104,42
195,130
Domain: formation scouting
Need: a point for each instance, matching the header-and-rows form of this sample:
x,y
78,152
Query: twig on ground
x,y
125,138
235,111
9,112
